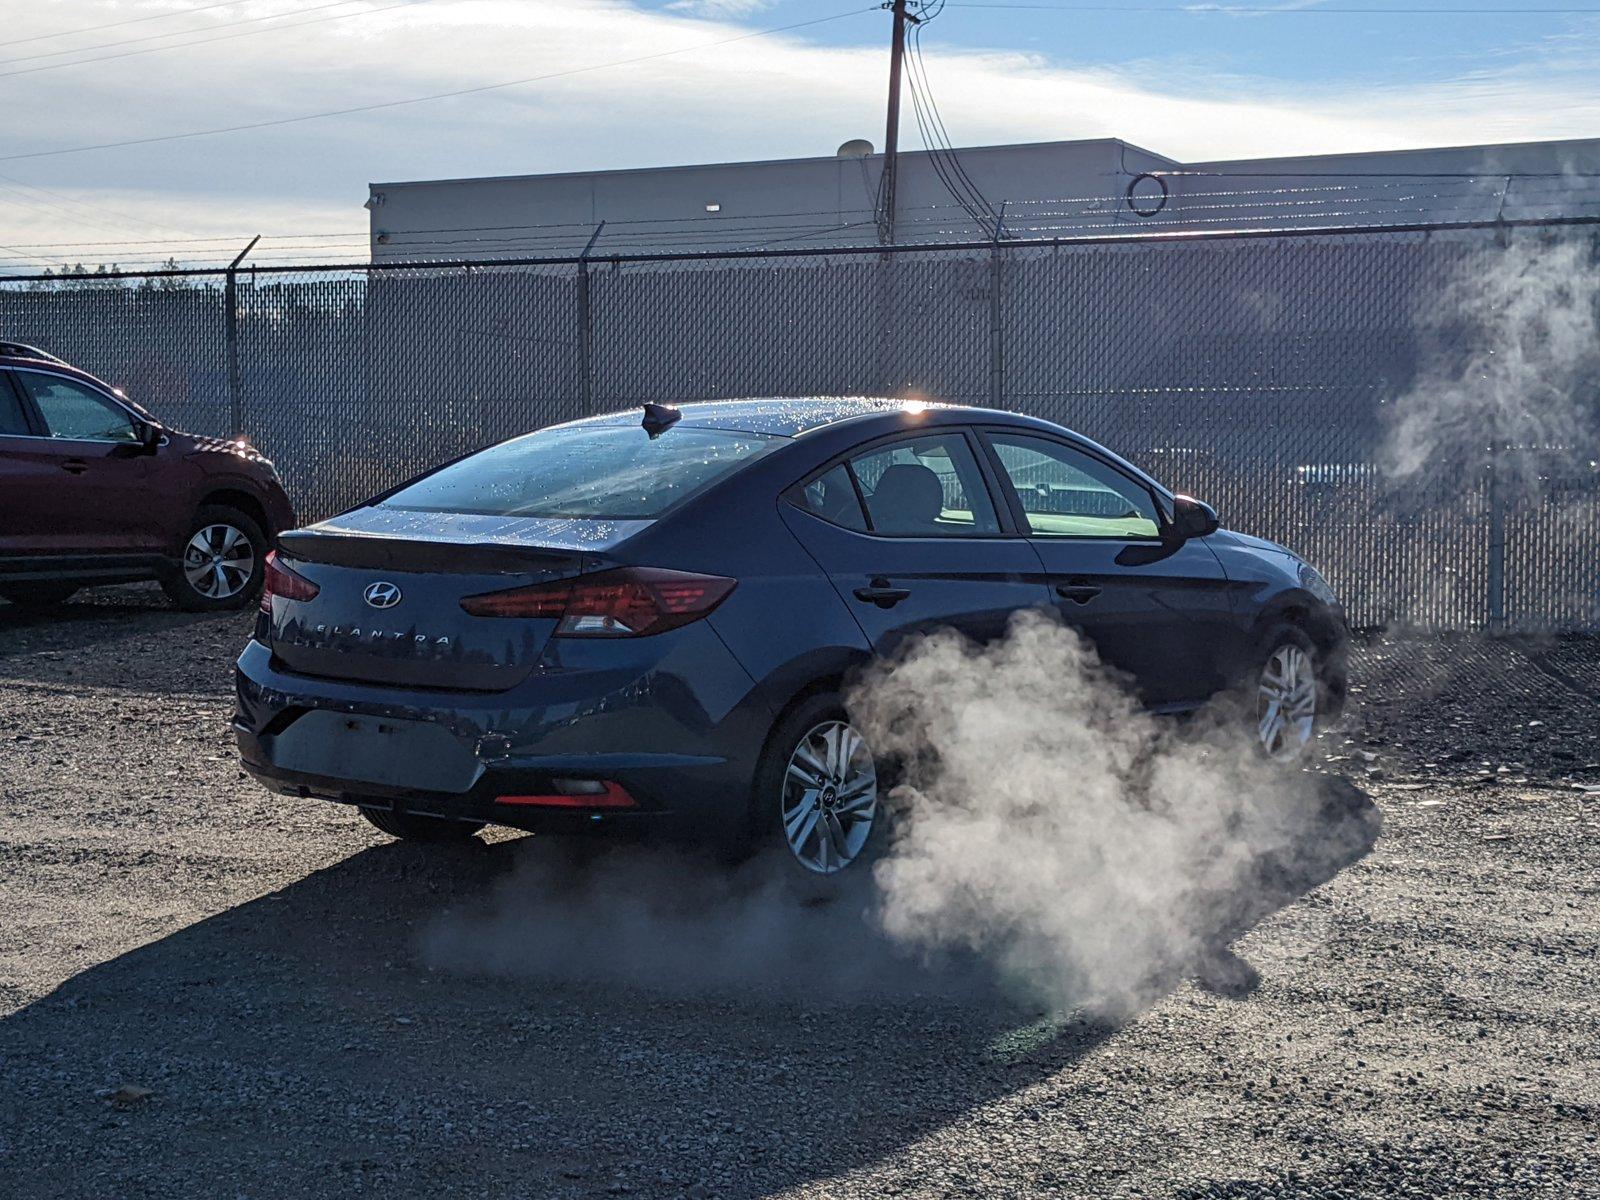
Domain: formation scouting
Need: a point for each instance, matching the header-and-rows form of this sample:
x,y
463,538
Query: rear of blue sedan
x,y
622,624
496,642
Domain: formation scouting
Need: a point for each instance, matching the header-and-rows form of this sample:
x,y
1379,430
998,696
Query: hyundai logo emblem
x,y
382,594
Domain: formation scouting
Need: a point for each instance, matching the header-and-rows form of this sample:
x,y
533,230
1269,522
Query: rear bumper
x,y
479,804
674,720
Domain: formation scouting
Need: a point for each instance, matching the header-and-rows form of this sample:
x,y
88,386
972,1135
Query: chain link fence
x,y
1270,375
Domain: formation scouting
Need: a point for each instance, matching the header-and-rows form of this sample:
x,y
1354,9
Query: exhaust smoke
x,y
1050,837
1094,853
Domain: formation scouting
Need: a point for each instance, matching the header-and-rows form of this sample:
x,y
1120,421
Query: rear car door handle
x,y
881,594
1078,593
75,466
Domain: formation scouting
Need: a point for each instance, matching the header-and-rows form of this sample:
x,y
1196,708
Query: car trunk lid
x,y
389,586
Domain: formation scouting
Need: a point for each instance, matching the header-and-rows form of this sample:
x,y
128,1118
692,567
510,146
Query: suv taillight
x,y
625,602
279,580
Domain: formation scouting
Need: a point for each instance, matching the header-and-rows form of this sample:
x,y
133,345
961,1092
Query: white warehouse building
x,y
1037,190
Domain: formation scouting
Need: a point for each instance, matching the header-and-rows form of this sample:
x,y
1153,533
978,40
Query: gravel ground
x,y
206,991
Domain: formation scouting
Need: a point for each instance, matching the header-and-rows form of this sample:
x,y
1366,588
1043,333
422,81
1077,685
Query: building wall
x,y
810,201
1054,189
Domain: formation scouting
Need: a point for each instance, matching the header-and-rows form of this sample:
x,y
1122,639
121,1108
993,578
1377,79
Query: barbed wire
x,y
777,221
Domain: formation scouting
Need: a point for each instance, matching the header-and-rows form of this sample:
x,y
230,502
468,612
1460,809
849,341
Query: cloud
x,y
782,95
720,8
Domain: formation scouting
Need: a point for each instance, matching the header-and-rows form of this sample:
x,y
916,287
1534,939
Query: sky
x,y
659,82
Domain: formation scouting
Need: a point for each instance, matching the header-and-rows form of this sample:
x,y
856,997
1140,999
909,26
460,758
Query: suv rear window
x,y
609,471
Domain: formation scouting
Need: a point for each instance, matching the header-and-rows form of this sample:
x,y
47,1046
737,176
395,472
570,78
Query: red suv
x,y
94,490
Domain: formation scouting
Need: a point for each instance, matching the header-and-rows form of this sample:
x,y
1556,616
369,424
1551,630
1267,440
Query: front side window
x,y
11,418
925,487
1067,493
75,410
617,472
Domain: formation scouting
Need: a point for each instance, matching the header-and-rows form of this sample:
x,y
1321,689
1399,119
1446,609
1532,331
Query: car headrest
x,y
908,499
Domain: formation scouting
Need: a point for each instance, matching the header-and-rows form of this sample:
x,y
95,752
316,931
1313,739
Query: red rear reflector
x,y
279,580
606,795
625,602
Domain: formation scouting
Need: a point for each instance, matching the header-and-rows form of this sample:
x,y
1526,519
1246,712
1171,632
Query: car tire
x,y
201,586
1285,694
38,595
409,827
834,834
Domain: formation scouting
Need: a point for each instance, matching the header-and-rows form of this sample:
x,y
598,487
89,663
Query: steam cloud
x,y
1528,317
1051,838
1096,853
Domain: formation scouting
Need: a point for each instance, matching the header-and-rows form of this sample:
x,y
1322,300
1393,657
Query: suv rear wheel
x,y
38,595
224,560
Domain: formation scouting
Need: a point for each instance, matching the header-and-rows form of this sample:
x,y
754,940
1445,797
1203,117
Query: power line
x,y
28,257
471,91
224,37
124,218
1135,236
1395,175
936,139
182,12
1041,224
1224,10
1029,208
1327,191
155,37
17,197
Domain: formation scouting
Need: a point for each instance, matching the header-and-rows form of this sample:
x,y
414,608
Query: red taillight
x,y
625,602
576,793
279,580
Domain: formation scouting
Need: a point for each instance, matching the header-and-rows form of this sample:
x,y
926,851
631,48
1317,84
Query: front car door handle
x,y
1078,593
75,466
881,594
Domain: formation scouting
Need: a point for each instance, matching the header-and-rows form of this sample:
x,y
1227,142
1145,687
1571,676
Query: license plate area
x,y
386,751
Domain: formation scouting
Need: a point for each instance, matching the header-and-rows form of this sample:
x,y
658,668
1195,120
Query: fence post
x,y
997,336
1497,542
1495,497
230,333
586,327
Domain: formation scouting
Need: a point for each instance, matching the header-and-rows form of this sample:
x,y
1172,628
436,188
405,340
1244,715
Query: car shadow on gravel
x,y
320,1038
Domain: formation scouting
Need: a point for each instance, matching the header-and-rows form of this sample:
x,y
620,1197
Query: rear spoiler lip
x,y
402,555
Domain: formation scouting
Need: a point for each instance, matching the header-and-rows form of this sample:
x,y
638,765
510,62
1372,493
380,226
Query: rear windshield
x,y
610,471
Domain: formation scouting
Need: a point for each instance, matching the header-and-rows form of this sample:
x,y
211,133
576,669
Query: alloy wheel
x,y
830,798
1286,703
219,561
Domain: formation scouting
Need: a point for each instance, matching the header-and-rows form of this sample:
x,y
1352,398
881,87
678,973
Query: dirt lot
x,y
1426,1024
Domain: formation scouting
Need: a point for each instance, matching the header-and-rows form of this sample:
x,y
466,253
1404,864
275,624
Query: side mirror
x,y
150,435
1193,518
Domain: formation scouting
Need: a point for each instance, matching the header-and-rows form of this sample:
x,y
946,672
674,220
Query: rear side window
x,y
74,410
925,487
611,471
832,497
11,418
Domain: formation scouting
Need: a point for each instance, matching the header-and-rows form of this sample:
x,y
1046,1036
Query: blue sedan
x,y
646,621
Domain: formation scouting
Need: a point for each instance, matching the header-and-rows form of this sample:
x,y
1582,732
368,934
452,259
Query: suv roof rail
x,y
23,350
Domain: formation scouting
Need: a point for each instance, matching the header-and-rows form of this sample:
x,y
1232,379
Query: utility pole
x,y
891,137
